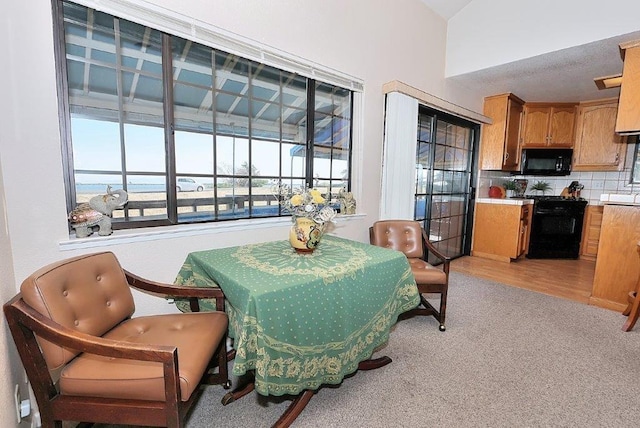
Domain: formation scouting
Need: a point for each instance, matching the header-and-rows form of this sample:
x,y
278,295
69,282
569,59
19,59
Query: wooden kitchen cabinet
x,y
598,147
628,120
525,224
548,125
591,232
501,231
617,264
499,146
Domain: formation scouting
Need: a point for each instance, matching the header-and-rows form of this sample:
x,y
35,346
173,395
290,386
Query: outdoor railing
x,y
231,204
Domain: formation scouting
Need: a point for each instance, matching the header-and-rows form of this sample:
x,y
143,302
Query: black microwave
x,y
546,161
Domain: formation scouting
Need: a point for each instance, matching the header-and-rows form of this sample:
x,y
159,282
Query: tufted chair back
x,y
401,235
89,294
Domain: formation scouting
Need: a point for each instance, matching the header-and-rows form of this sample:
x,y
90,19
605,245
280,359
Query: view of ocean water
x,y
131,188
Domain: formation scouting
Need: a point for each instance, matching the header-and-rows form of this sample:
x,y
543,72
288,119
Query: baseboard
x,y
491,256
607,304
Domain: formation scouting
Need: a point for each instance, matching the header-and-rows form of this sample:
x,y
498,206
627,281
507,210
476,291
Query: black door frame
x,y
472,171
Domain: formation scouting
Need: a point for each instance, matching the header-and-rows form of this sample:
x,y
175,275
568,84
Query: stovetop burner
x,y
554,198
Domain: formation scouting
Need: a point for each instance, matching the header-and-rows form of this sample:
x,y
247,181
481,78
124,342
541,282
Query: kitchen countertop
x,y
505,201
620,198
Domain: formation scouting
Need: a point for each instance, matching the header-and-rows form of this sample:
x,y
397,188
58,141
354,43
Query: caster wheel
x,y
227,384
442,327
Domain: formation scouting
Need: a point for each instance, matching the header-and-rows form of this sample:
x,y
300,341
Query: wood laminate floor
x,y
569,279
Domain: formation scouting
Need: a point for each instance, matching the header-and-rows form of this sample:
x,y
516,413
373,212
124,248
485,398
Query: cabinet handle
x,y
617,157
506,156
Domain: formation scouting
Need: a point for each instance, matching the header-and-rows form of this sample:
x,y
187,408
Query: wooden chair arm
x,y
171,290
49,330
192,294
432,249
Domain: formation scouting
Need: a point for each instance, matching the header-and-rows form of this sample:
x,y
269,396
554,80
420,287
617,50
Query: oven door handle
x,y
552,212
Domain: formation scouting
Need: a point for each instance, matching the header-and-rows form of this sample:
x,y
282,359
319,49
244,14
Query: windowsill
x,y
169,232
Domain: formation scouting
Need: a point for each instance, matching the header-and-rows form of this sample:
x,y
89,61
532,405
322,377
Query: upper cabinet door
x,y
548,125
536,126
512,140
561,126
598,147
499,144
628,121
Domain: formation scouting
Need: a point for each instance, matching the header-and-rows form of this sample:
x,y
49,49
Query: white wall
x,y
374,40
488,33
11,371
10,368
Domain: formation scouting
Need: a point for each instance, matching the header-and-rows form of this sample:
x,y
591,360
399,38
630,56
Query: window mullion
x,y
63,104
311,103
250,72
280,129
119,91
214,127
350,156
167,89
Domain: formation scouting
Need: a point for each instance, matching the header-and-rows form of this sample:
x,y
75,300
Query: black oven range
x,y
556,227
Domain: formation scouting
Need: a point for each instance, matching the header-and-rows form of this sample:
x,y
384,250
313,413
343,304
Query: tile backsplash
x,y
595,183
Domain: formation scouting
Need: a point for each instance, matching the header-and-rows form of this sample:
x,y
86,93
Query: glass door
x,y
444,180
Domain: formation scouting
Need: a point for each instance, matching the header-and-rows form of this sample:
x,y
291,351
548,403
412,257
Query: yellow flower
x,y
317,196
296,200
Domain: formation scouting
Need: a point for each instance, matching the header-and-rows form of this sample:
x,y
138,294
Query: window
x,y
635,168
193,134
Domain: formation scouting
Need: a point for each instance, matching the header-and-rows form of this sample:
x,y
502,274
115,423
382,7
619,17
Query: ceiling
x,y
561,76
116,76
446,8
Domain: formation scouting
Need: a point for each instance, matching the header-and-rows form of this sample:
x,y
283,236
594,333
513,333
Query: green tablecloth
x,y
301,320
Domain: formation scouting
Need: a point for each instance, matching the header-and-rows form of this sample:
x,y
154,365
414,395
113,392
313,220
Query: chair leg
x,y
443,307
428,309
633,310
633,315
631,298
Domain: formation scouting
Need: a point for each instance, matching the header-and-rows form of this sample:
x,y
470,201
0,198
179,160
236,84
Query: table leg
x,y
231,354
295,408
300,402
245,385
374,363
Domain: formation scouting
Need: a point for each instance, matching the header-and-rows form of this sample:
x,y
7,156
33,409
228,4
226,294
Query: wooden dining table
x,y
299,321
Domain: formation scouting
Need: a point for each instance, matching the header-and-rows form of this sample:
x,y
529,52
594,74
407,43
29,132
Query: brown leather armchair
x,y
88,360
410,238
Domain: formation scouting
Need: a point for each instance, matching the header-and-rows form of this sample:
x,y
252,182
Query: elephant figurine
x,y
347,202
97,212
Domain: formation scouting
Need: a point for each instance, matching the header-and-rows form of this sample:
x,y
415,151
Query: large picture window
x,y
192,133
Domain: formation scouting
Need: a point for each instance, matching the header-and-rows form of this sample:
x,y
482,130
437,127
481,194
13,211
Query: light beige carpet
x,y
509,358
